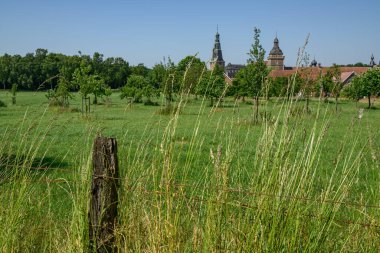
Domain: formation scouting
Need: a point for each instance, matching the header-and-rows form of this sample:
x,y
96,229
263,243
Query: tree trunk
x,y
95,100
256,113
336,104
86,105
369,101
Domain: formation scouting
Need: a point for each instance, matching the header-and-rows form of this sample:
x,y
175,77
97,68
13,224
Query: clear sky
x,y
142,31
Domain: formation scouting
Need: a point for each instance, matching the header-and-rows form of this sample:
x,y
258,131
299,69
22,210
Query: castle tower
x,y
276,57
217,57
372,62
314,63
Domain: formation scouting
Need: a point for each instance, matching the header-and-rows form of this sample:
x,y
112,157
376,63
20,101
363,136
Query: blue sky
x,y
143,31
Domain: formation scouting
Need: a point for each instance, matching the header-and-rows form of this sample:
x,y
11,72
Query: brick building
x,y
276,61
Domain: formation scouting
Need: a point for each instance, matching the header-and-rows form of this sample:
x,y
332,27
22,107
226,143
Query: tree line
x,y
41,69
60,74
95,75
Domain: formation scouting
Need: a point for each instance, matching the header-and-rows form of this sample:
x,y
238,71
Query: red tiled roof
x,y
315,72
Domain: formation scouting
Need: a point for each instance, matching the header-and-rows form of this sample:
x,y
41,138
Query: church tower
x,y
372,62
217,57
276,57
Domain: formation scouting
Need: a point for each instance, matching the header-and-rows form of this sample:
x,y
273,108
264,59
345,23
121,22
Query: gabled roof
x,y
345,76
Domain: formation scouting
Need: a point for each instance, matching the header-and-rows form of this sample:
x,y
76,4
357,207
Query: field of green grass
x,y
203,179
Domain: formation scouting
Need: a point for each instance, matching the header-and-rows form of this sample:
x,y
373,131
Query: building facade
x,y
276,61
232,69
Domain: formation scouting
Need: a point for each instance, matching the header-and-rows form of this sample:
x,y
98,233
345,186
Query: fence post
x,y
102,214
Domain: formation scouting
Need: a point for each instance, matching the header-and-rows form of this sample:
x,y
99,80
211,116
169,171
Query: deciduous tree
x,y
212,84
256,71
136,87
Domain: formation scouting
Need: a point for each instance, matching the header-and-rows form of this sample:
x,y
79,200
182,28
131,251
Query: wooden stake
x,y
104,195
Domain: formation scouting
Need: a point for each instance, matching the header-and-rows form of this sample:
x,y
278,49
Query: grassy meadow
x,y
203,179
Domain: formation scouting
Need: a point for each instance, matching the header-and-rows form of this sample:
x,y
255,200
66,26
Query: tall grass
x,y
272,197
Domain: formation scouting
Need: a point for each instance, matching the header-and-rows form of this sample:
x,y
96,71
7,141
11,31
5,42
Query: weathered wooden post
x,y
104,196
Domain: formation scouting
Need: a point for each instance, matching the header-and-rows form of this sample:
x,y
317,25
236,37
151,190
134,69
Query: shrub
x,y
168,110
151,103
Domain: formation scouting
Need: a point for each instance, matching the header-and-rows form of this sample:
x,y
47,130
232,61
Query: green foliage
x,y
255,73
366,85
115,72
212,84
249,81
337,85
355,90
2,104
278,86
99,87
256,70
14,89
107,94
371,81
358,64
189,73
140,70
14,92
61,94
239,87
81,79
131,92
157,76
325,84
88,83
164,79
136,87
38,70
50,94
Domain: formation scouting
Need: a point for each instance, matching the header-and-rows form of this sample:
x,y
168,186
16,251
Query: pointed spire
x,y
217,57
314,63
276,48
276,56
372,63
